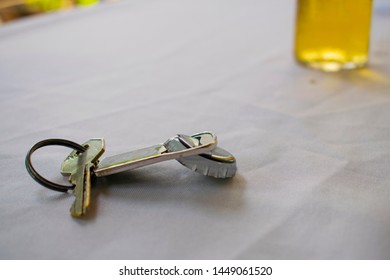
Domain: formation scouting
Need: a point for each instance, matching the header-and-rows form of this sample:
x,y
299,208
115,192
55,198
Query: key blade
x,y
78,179
87,187
82,191
130,160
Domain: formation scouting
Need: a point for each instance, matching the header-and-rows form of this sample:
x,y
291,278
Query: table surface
x,y
313,149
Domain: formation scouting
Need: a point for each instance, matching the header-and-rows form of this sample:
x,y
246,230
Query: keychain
x,y
198,152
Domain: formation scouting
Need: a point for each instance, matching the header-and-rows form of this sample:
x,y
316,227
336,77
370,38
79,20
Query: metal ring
x,y
35,175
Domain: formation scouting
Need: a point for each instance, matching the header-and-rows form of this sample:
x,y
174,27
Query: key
x,y
199,152
200,143
79,167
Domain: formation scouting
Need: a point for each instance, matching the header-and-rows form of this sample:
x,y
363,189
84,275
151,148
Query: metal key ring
x,y
35,175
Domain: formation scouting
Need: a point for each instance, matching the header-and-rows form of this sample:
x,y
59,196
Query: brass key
x,y
78,167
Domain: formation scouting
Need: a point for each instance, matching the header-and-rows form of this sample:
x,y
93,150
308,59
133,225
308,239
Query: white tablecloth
x,y
313,149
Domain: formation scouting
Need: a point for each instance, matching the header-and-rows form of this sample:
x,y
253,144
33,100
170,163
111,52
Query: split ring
x,y
35,175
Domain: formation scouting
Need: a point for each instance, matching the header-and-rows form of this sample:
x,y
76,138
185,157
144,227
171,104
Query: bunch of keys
x,y
198,152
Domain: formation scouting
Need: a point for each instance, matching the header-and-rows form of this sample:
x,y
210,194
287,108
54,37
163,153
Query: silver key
x,y
78,166
201,143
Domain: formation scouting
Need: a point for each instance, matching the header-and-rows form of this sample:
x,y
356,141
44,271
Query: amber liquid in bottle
x,y
333,34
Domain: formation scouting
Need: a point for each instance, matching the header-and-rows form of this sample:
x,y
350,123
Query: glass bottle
x,y
333,34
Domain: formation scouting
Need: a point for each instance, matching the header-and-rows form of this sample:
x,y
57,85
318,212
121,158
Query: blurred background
x,y
15,9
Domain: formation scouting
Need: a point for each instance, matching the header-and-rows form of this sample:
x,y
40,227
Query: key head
x,y
95,148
